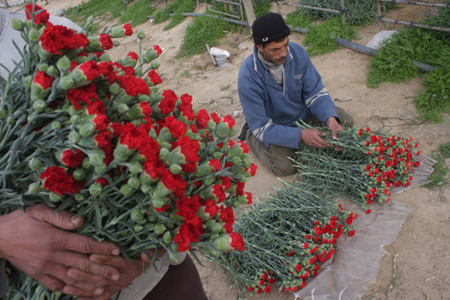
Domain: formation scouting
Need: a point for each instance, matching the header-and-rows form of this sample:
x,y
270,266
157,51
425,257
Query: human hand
x,y
312,138
37,243
334,126
129,271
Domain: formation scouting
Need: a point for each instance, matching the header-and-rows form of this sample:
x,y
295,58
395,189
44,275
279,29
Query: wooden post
x,y
380,27
343,12
248,6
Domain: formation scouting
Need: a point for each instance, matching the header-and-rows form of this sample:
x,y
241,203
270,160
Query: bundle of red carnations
x,y
287,240
96,137
365,167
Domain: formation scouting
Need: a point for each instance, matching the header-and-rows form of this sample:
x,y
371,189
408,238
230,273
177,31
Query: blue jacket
x,y
271,109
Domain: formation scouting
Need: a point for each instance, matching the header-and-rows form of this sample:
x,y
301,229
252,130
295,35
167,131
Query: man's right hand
x,y
312,138
37,243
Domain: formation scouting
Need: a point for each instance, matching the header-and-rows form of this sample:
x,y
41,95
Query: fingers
x,y
312,138
62,220
119,262
81,244
81,277
75,291
51,283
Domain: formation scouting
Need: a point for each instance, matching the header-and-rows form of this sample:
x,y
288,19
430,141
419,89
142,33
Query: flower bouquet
x,y
96,137
287,240
365,168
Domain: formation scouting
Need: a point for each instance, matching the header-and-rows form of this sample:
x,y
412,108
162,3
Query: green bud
x,y
155,65
17,24
138,72
122,152
96,158
137,216
52,71
122,108
74,137
114,88
35,164
167,237
175,169
56,125
87,129
28,80
160,228
150,55
222,130
136,168
54,197
34,35
125,189
141,35
176,157
164,153
222,243
209,180
138,228
236,160
3,113
63,64
134,182
116,43
95,189
43,67
79,174
86,164
34,188
10,120
66,82
79,197
100,169
39,105
75,120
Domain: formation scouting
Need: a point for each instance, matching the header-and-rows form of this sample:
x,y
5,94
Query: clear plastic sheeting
x,y
357,258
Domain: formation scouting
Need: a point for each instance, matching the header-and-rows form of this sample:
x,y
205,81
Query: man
x,y
40,243
278,86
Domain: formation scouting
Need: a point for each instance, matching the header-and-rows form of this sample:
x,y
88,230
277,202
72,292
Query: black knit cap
x,y
268,28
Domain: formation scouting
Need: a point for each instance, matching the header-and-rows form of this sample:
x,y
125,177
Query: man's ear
x,y
260,47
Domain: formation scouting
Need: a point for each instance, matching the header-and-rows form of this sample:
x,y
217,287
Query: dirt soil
x,y
422,244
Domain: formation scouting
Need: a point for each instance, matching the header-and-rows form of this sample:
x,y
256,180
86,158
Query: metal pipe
x,y
415,24
311,7
443,5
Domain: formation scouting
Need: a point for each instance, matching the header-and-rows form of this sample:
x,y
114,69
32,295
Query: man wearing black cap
x,y
278,86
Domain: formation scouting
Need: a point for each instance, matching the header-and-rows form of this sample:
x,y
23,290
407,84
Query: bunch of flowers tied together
x,y
287,240
366,168
99,138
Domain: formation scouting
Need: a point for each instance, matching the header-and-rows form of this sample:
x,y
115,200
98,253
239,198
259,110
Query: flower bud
x,y
39,105
155,65
150,55
43,67
63,64
10,120
34,35
96,158
17,24
175,169
141,35
122,108
114,88
52,71
56,125
116,43
136,168
164,153
125,189
134,182
138,72
79,197
122,152
34,188
95,189
137,215
35,164
3,113
100,169
54,197
74,137
85,164
222,130
79,174
87,129
175,157
160,228
66,82
138,228
167,237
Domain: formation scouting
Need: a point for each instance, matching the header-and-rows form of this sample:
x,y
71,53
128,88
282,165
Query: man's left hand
x,y
334,126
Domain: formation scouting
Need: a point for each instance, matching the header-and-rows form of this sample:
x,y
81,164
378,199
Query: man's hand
x,y
334,126
312,138
129,270
37,243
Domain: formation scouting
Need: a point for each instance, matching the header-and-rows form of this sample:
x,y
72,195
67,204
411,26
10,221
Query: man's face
x,y
275,52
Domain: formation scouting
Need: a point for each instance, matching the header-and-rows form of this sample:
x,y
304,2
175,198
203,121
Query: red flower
x,y
351,233
106,41
215,117
244,146
103,138
229,120
202,118
253,169
211,207
59,182
101,122
128,29
102,181
146,109
157,49
44,80
90,70
174,183
227,216
249,198
167,104
219,192
57,38
177,128
215,163
186,107
360,132
109,154
131,136
107,71
72,159
83,94
96,107
133,86
40,18
186,234
154,77
133,55
236,241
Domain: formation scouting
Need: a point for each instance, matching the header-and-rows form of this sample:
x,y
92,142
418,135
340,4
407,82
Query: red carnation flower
x,y
44,80
106,41
157,49
128,29
227,216
154,77
177,128
186,107
167,104
56,180
202,118
133,55
40,18
57,38
103,138
133,86
90,70
229,120
72,159
84,94
96,107
237,242
101,122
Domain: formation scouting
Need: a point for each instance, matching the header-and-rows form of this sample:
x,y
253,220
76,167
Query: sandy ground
x,y
422,244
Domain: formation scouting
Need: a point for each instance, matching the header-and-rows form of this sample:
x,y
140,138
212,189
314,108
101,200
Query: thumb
x,y
64,219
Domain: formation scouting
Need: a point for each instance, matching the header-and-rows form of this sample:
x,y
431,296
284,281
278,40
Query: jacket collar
x,y
260,68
